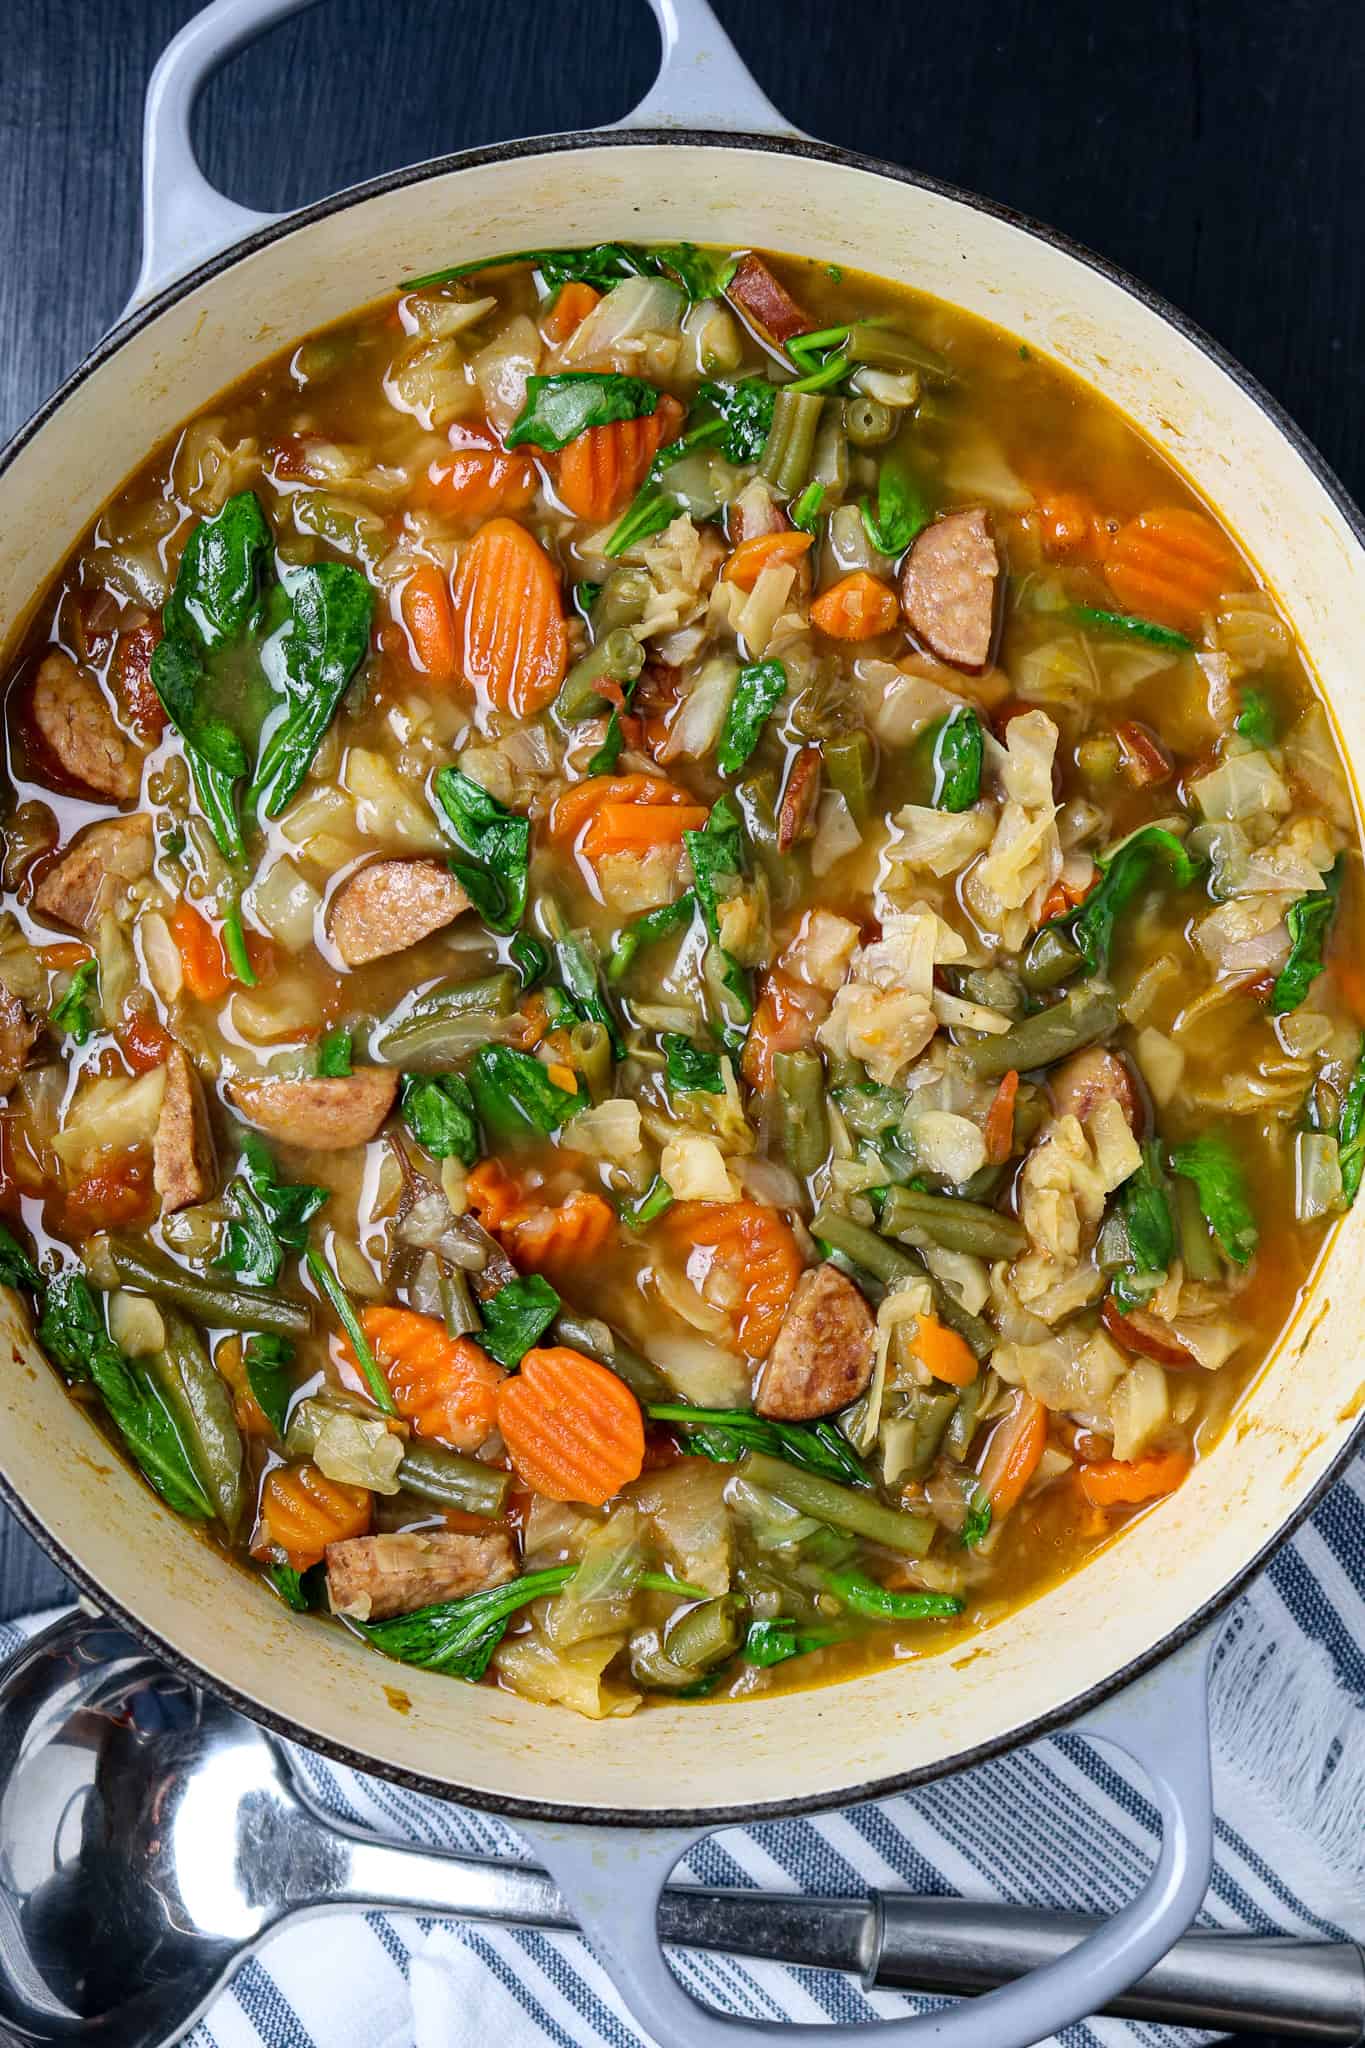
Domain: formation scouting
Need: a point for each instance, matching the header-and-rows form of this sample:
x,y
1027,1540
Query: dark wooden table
x,y
1213,148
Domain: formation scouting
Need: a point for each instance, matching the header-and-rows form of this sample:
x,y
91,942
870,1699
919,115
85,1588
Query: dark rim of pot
x,y
704,1818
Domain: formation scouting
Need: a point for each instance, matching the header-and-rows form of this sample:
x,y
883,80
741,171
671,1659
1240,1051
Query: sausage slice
x,y
372,1577
391,905
184,1163
320,1115
17,1033
824,1352
950,588
85,881
766,304
1080,1084
79,729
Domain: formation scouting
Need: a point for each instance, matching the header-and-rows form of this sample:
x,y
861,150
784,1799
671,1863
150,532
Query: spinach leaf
x,y
531,958
300,1590
862,1595
1309,921
601,266
513,1094
1256,721
1136,629
901,510
717,850
317,652
773,1642
215,754
701,272
267,1359
561,407
439,1111
578,972
690,1068
16,1267
1209,1161
71,1329
804,512
759,689
1351,1129
1124,871
585,596
649,512
604,761
498,842
1146,1213
517,1317
328,1284
459,1636
334,1055
725,1435
77,1011
948,760
655,924
218,584
746,409
657,1198
268,1217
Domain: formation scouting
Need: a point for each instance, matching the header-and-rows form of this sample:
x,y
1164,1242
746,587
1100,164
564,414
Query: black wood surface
x,y
1214,149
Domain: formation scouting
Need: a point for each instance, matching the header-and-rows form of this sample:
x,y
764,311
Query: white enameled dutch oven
x,y
611,1806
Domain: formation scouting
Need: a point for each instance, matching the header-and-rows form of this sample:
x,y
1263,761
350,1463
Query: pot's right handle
x,y
702,83
612,1879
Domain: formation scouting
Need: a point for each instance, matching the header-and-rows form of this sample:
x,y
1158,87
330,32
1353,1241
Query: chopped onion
x,y
1317,1175
696,726
286,905
836,834
135,1324
501,370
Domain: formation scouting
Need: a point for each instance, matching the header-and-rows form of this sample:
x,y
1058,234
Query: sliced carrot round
x,y
573,303
479,478
1109,1482
509,623
1172,565
445,1386
583,804
561,1241
573,1430
302,1511
601,469
760,1252
765,551
425,609
857,607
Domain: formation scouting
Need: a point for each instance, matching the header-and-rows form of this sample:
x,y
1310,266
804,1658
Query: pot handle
x,y
612,1879
701,84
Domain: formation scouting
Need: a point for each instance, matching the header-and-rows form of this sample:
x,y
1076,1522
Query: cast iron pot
x,y
611,1806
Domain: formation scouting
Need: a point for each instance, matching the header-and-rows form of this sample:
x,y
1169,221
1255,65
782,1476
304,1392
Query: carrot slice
x,y
603,810
760,1253
479,477
603,467
573,303
561,1242
445,1386
207,975
765,551
1111,1483
1172,564
573,1430
942,1352
63,955
1013,1454
230,1362
509,625
493,1194
1000,1120
302,1511
635,828
424,605
1070,526
857,607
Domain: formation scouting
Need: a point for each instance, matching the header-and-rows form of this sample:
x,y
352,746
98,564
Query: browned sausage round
x,y
766,303
317,1114
824,1352
79,728
369,1577
85,880
184,1164
950,588
391,905
1091,1077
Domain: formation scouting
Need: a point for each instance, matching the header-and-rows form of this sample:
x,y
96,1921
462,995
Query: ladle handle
x,y
612,1877
701,83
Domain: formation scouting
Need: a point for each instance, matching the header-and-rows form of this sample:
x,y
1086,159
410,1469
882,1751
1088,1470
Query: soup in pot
x,y
680,990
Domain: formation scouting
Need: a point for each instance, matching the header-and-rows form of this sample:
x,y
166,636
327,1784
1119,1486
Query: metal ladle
x,y
151,1839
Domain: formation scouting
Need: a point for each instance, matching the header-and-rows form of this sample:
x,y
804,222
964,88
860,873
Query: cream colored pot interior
x,y
810,1744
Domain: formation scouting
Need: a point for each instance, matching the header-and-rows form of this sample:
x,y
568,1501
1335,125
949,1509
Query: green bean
x,y
868,422
592,1055
953,1225
851,765
862,1595
328,1284
617,657
840,1506
442,1027
201,1404
1197,1250
829,465
461,1316
885,1262
962,1428
975,1333
883,348
705,1635
621,601
911,1440
1050,959
599,1341
800,1078
452,1481
1081,1017
790,447
213,1302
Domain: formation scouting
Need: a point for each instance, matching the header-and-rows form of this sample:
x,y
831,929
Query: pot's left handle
x,y
702,83
612,1879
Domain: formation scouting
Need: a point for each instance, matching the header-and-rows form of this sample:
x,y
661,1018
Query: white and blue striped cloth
x,y
1055,1825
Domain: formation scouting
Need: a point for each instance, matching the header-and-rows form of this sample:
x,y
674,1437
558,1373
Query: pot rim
x,y
1055,1718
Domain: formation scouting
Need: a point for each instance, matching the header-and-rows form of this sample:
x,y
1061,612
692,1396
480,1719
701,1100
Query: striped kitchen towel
x,y
1055,1825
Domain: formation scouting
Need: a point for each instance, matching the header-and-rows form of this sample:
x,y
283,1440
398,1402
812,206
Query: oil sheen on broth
x,y
675,928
